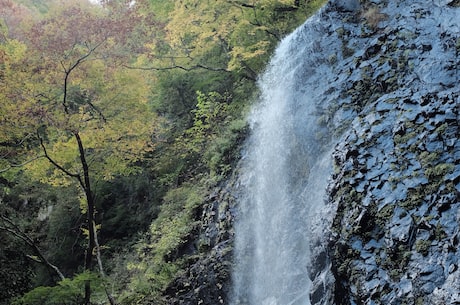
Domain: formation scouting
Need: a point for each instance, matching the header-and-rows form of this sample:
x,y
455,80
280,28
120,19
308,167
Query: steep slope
x,y
396,185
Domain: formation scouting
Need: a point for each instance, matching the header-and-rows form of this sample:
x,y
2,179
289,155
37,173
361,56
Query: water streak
x,y
284,177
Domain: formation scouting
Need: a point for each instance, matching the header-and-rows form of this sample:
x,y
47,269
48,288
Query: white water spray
x,y
284,177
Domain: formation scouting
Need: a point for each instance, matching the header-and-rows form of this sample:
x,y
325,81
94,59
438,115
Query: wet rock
x,y
346,5
402,228
396,186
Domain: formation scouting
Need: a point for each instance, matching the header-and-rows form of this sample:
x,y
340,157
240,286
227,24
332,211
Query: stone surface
x,y
403,173
206,279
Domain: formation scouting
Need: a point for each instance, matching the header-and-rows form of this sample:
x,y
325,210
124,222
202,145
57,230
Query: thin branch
x,y
242,4
286,8
101,269
16,231
199,66
12,165
252,74
98,111
258,24
69,70
18,143
58,166
81,59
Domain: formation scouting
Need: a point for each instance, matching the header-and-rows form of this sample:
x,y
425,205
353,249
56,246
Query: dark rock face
x,y
394,234
396,185
206,280
347,5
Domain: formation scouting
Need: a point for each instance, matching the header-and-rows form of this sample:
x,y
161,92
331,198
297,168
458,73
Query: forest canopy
x,y
116,119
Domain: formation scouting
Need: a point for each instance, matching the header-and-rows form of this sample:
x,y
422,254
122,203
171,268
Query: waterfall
x,y
283,178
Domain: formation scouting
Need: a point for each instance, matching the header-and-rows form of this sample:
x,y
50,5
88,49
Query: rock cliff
x,y
396,182
206,279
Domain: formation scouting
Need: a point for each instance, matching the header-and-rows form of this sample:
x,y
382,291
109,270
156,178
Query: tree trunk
x,y
86,185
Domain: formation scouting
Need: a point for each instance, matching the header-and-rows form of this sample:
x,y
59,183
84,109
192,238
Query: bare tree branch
x,y
13,229
101,269
99,112
174,67
13,165
57,165
68,70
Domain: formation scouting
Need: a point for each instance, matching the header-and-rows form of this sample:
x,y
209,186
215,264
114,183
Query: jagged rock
x,y
397,171
347,5
207,276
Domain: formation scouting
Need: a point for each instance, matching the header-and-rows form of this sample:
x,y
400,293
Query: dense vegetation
x,y
117,118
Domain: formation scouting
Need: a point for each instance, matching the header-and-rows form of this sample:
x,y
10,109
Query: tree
x,y
242,34
69,105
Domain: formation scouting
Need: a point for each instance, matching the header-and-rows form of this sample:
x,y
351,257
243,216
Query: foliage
x,y
148,100
68,98
159,253
209,117
16,270
246,32
58,83
423,246
36,215
66,292
127,204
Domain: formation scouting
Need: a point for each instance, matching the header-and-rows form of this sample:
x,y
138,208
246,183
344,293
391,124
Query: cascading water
x,y
283,178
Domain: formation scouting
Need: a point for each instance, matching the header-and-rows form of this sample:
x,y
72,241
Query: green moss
x,y
332,59
396,260
343,268
407,255
427,218
366,73
427,158
414,198
394,273
384,215
346,51
391,81
439,232
439,170
422,246
340,32
419,301
442,128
